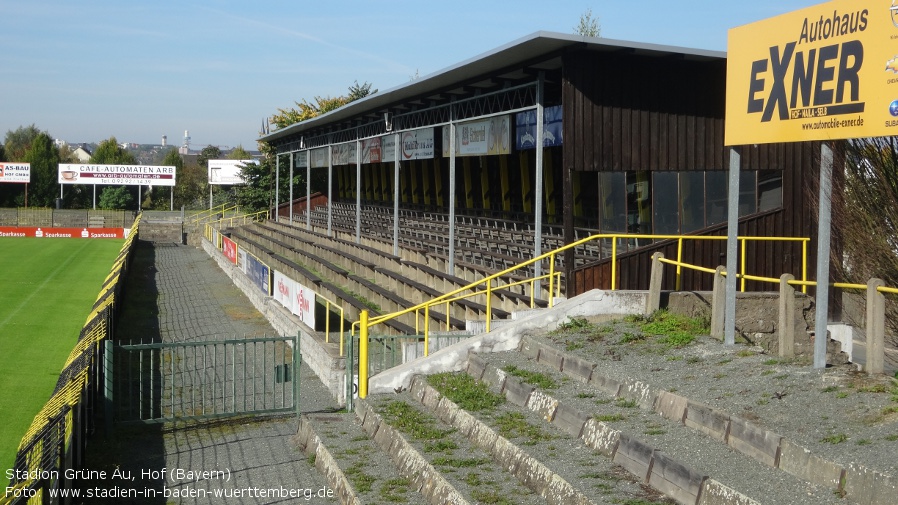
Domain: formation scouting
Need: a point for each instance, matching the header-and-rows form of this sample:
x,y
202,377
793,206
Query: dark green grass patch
x,y
47,290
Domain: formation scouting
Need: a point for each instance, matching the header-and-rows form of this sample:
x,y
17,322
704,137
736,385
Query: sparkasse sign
x,y
821,73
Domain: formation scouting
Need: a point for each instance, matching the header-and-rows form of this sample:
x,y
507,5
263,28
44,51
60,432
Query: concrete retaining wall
x,y
757,316
323,358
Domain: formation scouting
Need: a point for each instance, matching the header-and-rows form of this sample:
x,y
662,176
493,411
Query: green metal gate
x,y
162,382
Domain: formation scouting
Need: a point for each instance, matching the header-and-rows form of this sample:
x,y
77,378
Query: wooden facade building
x,y
640,151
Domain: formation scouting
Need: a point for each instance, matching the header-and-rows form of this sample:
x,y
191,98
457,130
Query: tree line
x,y
29,144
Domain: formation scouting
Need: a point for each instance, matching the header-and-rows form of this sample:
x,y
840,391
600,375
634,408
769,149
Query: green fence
x,y
161,382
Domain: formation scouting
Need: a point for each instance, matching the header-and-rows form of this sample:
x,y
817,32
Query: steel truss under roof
x,y
501,81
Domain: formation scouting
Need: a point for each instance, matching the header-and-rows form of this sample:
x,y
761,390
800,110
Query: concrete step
x,y
619,421
550,462
456,469
356,469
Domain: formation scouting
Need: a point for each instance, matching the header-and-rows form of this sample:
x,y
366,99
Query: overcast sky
x,y
137,70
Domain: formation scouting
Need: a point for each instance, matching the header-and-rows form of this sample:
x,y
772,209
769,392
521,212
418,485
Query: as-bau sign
x,y
821,73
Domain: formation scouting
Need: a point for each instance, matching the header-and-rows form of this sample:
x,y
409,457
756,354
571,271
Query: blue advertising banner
x,y
525,128
259,273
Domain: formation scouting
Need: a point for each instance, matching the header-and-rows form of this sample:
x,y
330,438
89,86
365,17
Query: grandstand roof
x,y
535,52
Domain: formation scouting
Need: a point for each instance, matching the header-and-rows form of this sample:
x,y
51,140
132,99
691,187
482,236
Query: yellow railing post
x,y
327,325
489,304
447,315
679,259
426,330
613,262
363,354
804,265
551,279
742,268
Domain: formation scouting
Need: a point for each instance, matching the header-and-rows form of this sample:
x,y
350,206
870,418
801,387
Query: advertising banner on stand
x,y
227,172
259,273
415,145
371,151
480,138
229,249
15,172
295,297
116,175
31,231
343,154
284,288
305,305
525,128
826,72
241,260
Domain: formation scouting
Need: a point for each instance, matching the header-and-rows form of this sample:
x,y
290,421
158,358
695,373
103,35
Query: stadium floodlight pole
x,y
396,196
291,187
330,199
358,193
824,231
95,196
729,330
538,193
277,187
308,189
452,140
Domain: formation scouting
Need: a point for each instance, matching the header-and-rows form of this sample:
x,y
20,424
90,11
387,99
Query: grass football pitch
x,y
47,288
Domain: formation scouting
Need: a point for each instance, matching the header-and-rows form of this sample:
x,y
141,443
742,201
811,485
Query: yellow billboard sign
x,y
821,73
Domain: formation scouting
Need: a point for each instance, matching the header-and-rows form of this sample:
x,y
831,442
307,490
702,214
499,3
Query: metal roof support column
x,y
291,187
824,231
396,197
308,190
451,266
330,193
277,186
358,192
729,331
538,192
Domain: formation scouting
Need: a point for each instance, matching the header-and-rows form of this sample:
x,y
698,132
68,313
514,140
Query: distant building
x,y
82,154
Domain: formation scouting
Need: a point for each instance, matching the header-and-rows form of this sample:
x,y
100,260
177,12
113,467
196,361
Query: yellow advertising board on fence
x,y
821,73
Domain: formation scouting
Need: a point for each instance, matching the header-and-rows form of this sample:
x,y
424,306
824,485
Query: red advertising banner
x,y
34,232
229,248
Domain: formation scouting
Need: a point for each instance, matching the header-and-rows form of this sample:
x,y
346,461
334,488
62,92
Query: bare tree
x,y
865,211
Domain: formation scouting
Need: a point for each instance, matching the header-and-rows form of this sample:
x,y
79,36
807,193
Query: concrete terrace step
x,y
550,462
450,468
353,465
619,421
647,424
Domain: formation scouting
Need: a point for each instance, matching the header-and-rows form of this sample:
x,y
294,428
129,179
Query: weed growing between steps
x,y
464,391
538,379
657,333
474,396
465,466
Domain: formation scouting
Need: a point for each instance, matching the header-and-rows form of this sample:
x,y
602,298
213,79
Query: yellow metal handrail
x,y
242,219
218,209
365,323
771,280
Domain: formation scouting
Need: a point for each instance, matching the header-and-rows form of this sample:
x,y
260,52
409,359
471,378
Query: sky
x,y
137,70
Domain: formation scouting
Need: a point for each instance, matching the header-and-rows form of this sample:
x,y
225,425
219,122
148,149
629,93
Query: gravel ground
x,y
837,413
